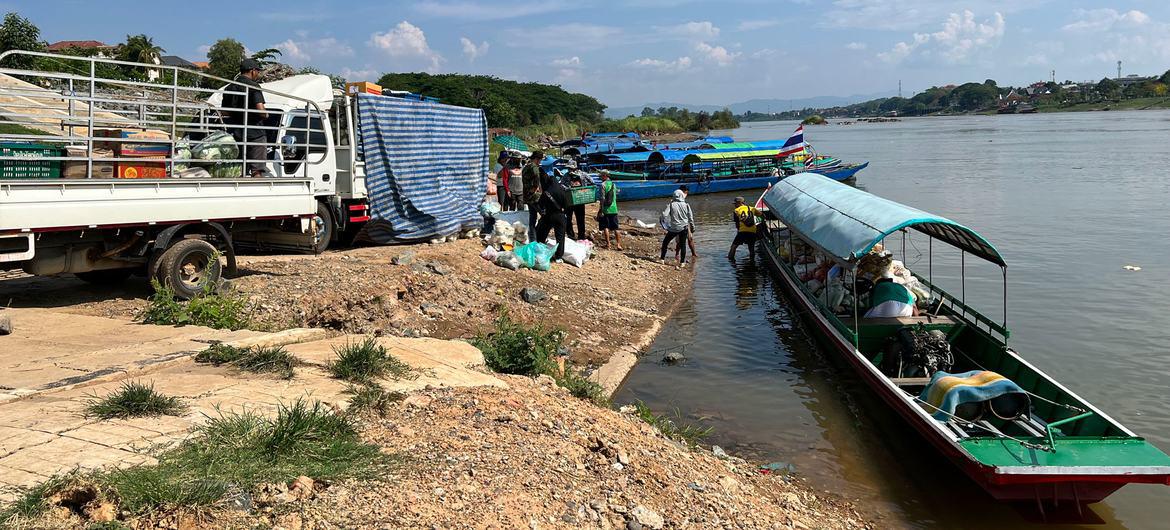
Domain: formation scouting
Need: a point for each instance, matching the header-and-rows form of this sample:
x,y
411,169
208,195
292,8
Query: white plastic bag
x,y
502,234
575,253
489,253
522,237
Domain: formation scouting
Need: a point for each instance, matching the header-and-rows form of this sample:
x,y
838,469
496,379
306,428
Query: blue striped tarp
x,y
426,167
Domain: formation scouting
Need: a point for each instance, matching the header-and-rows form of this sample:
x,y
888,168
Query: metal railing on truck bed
x,y
93,118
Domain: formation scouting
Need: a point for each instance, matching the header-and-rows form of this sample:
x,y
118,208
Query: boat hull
x,y
1054,487
636,190
843,172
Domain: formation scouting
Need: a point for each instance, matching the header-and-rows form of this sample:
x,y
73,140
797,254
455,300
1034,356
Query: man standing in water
x,y
745,228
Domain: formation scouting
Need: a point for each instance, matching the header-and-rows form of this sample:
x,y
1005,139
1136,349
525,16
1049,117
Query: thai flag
x,y
795,143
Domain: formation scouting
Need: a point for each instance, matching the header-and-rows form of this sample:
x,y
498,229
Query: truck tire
x,y
105,277
189,267
325,228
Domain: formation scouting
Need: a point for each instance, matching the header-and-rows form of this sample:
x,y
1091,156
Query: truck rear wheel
x,y
324,228
190,267
105,277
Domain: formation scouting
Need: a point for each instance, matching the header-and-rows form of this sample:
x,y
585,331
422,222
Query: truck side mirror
x,y
288,148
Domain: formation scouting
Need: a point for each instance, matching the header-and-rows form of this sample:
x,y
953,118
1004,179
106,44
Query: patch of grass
x,y
208,309
255,359
514,348
133,400
33,501
671,426
366,361
371,398
16,128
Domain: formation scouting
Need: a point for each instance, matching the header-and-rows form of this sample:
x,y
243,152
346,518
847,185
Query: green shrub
x,y
208,309
132,400
371,397
671,427
367,361
255,359
513,348
583,388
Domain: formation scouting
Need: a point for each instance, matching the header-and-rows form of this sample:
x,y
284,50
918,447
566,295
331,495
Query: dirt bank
x,y
444,291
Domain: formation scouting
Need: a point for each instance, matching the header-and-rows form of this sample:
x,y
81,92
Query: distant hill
x,y
755,105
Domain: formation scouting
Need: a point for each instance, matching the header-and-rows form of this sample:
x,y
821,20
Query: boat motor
x,y
915,351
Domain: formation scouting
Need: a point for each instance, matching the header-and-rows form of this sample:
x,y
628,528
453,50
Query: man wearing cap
x,y
532,176
243,124
745,228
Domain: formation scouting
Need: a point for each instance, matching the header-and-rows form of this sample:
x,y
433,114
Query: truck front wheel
x,y
190,267
323,228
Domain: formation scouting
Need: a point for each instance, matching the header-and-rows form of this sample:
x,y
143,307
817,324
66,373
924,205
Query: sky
x,y
632,52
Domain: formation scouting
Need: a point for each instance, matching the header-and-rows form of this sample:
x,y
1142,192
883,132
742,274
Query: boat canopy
x,y
847,222
727,154
766,144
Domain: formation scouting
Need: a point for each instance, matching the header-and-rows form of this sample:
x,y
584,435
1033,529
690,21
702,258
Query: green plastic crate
x,y
32,168
582,195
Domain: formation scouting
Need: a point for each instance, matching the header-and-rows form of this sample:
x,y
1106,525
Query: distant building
x,y
201,65
1132,79
175,60
100,48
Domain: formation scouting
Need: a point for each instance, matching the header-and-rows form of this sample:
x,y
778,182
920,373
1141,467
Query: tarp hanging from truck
x,y
426,167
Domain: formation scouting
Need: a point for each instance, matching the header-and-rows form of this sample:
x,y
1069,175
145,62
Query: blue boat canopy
x,y
847,222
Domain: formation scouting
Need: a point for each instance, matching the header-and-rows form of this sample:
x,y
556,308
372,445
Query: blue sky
x,y
636,51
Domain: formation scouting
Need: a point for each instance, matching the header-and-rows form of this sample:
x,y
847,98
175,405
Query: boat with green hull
x,y
1016,431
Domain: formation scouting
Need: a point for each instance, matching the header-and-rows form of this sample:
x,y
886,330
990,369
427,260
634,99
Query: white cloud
x,y
752,25
960,38
765,53
299,52
483,11
406,41
903,15
203,49
1099,20
691,30
364,74
473,51
856,46
717,54
568,62
681,64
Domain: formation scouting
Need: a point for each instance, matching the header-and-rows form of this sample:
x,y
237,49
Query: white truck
x,y
73,141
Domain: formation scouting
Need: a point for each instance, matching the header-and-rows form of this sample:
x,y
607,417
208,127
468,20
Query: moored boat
x,y
946,369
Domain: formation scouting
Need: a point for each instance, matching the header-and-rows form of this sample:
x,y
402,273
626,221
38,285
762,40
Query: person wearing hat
x,y
745,228
243,124
576,212
531,177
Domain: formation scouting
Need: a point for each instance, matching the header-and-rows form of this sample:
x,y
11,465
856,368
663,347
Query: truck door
x,y
304,136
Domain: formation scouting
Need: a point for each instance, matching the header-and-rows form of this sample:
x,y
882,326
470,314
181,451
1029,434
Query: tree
x,y
224,58
139,49
19,33
1108,88
267,56
989,82
1165,79
647,112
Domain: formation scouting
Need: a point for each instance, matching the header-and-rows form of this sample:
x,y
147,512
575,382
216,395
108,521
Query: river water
x,y
1069,199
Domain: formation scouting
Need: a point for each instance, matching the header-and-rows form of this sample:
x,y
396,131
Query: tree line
x,y
985,96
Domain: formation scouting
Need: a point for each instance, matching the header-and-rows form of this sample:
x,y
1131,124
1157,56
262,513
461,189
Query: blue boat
x,y
636,190
844,172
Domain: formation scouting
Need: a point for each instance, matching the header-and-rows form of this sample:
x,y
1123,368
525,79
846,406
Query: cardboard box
x,y
364,87
142,170
125,149
75,169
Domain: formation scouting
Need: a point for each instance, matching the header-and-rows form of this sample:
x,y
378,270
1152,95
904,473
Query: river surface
x,y
1069,199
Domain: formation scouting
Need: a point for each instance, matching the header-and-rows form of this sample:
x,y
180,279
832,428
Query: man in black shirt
x,y
553,202
253,139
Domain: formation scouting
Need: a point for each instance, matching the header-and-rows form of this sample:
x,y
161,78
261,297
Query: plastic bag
x,y
502,234
535,255
489,253
521,233
182,152
217,146
489,208
575,253
508,260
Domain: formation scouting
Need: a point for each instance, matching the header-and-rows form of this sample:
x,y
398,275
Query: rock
x,y
633,525
673,357
439,268
697,487
421,401
545,380
646,517
403,259
729,484
628,409
623,458
439,492
431,310
718,451
533,295
302,487
5,326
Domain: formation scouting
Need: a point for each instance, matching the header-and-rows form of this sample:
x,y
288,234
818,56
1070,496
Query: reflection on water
x,y
1065,219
